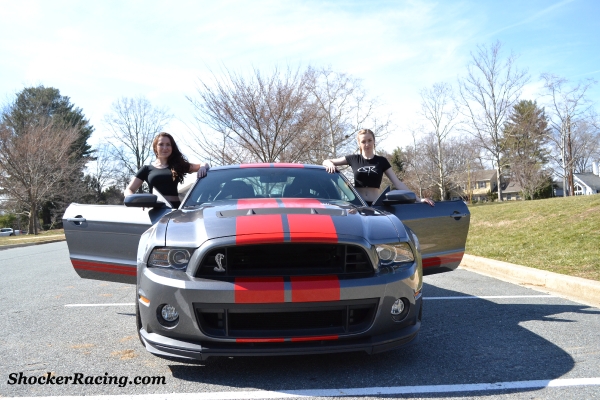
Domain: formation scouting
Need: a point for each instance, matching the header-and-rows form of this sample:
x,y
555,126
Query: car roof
x,y
269,165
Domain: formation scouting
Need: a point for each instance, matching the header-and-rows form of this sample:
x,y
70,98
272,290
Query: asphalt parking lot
x,y
481,338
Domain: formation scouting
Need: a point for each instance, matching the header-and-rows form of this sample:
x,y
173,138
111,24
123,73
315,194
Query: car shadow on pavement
x,y
461,342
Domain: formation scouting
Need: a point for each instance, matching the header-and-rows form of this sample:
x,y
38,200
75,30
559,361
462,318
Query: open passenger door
x,y
442,230
103,239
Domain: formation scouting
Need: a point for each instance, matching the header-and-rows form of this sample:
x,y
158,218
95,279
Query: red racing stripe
x,y
259,290
302,203
315,288
253,229
312,228
271,165
106,268
432,262
244,204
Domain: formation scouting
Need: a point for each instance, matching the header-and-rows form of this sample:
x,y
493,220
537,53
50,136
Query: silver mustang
x,y
270,259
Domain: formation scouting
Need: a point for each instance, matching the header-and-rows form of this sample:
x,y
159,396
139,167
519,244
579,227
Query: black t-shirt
x,y
368,173
159,178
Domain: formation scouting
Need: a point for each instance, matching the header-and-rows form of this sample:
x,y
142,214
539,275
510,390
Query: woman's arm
x,y
200,168
398,184
133,186
331,164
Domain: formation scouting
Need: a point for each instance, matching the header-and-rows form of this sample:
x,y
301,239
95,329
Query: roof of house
x,y
483,175
589,179
512,187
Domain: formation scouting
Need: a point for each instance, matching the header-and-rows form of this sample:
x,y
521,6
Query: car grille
x,y
286,259
285,321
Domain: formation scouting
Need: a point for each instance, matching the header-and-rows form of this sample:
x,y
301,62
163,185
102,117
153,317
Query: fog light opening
x,y
167,315
400,309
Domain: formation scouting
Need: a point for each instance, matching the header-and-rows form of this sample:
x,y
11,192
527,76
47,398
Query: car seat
x,y
235,190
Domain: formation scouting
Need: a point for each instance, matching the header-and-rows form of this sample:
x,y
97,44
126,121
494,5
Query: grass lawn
x,y
560,235
42,237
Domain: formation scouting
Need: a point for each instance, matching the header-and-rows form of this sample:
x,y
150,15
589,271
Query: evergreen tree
x,y
525,138
36,105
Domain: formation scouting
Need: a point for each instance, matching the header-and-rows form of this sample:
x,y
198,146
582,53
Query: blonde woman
x,y
368,168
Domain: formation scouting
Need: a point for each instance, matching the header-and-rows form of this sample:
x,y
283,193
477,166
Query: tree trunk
x,y
32,219
498,178
441,172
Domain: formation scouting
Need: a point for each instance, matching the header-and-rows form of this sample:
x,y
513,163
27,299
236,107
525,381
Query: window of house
x,y
481,185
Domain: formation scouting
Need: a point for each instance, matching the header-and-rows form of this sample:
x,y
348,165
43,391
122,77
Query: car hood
x,y
255,221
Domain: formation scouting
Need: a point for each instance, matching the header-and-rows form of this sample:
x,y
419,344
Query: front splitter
x,y
184,351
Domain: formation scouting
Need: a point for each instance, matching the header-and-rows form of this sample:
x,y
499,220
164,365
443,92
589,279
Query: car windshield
x,y
250,183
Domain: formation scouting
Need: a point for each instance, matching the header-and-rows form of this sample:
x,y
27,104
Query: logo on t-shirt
x,y
368,170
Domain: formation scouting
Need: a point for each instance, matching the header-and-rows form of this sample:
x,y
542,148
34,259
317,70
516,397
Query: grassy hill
x,y
560,235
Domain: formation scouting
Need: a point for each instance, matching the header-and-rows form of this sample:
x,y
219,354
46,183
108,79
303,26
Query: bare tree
x,y
439,109
133,124
342,108
36,163
415,175
570,115
289,115
260,118
488,92
586,146
102,172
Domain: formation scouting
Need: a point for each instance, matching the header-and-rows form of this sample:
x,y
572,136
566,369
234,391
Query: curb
x,y
581,290
14,246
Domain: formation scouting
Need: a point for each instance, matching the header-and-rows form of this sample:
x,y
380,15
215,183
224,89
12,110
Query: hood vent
x,y
334,212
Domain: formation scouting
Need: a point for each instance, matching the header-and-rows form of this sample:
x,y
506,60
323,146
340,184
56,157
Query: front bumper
x,y
188,351
241,303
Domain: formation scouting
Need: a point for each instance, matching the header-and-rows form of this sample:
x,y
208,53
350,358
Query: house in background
x,y
482,183
511,190
585,183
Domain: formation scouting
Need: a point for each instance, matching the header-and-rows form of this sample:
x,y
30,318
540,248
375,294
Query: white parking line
x,y
489,297
372,391
424,298
100,305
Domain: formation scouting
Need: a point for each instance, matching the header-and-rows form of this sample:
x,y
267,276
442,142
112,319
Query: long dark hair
x,y
177,162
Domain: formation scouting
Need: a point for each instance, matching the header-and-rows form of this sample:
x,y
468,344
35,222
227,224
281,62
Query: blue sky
x,y
98,51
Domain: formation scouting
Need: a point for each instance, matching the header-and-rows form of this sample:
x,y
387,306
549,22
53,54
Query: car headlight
x,y
170,257
394,253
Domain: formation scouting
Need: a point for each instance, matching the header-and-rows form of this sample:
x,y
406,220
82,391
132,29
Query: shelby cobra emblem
x,y
219,259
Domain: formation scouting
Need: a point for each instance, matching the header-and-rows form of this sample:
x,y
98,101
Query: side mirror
x,y
399,197
143,200
379,200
